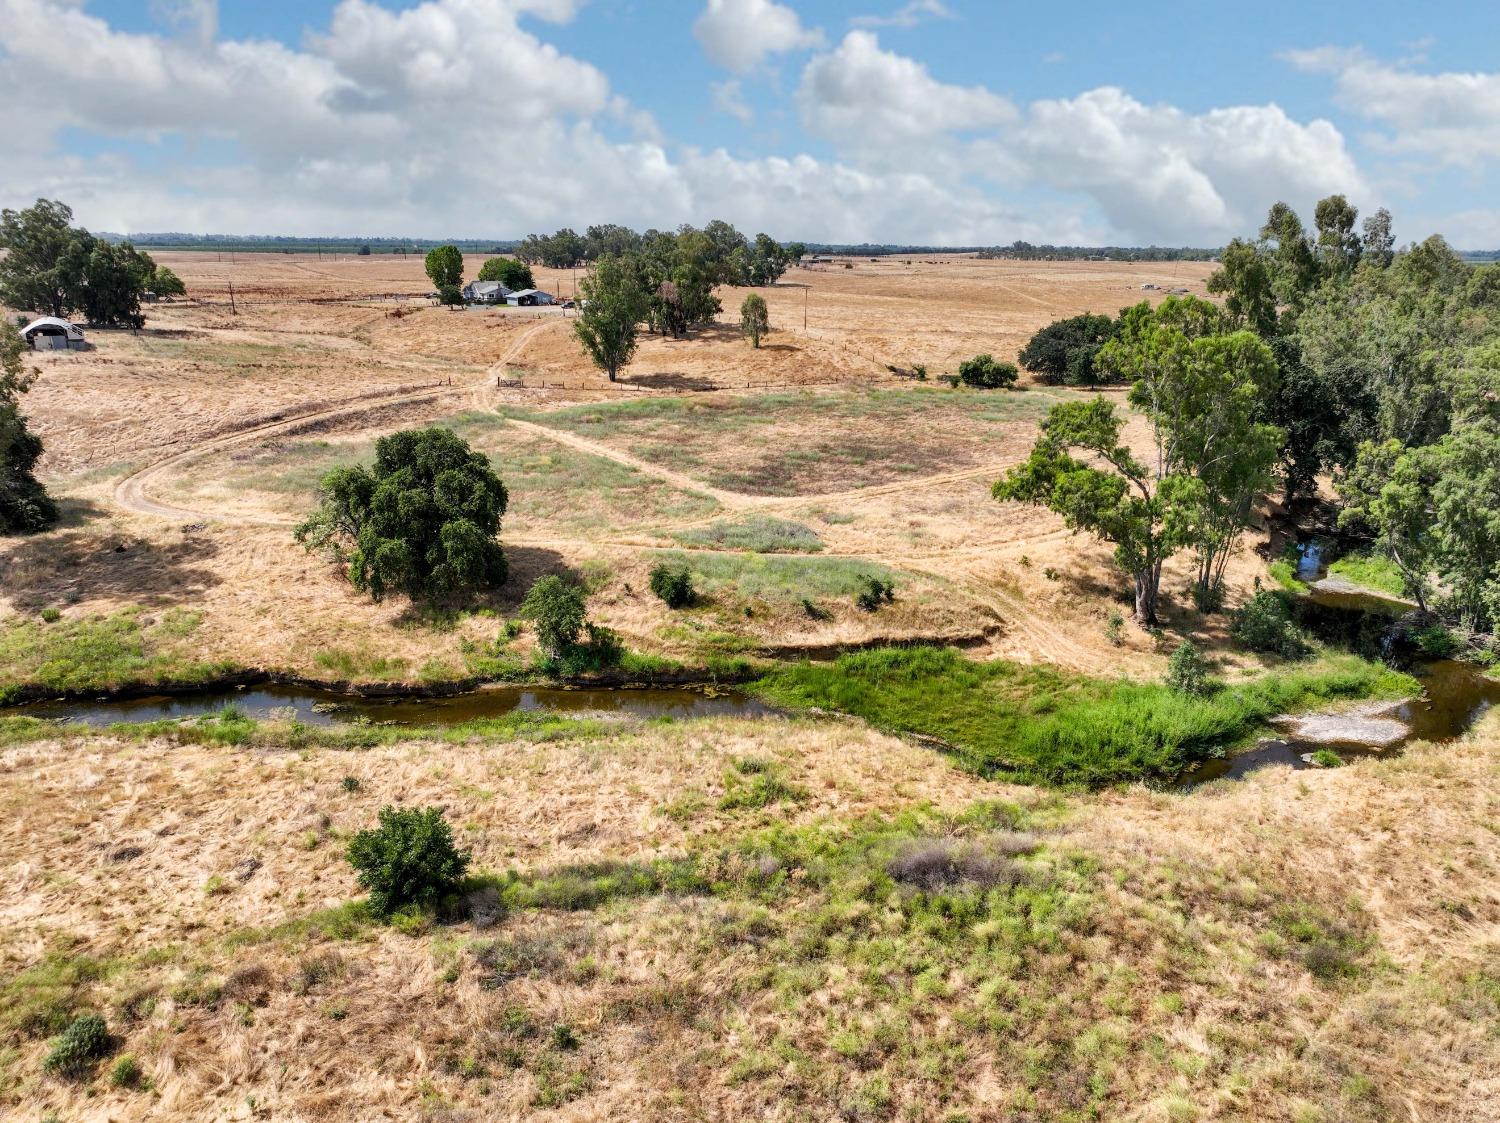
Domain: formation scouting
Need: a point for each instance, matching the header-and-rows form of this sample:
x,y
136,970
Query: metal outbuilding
x,y
51,333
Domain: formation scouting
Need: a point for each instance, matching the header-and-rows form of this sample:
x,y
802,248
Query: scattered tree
x,y
422,521
755,321
24,503
509,271
1187,671
1062,353
672,584
38,270
445,267
612,305
164,282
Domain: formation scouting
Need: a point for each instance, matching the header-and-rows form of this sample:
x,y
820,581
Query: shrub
x,y
1436,642
84,1041
875,593
51,615
601,651
1264,623
1327,758
1114,627
672,584
350,783
558,610
986,373
1187,672
126,1072
409,859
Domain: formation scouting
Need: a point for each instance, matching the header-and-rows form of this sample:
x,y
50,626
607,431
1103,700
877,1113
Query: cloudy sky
x,y
931,121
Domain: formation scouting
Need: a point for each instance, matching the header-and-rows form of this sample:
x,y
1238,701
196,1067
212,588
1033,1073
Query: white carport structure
x,y
51,333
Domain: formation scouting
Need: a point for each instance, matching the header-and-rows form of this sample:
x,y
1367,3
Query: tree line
x,y
1334,355
58,269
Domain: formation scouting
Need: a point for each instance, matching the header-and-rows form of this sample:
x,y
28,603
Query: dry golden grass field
x,y
706,919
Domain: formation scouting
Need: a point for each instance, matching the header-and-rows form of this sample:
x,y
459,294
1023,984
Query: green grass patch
x,y
1372,571
1040,724
128,648
1284,573
759,534
777,578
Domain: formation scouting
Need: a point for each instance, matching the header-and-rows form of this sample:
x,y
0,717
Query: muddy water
x,y
324,708
1454,695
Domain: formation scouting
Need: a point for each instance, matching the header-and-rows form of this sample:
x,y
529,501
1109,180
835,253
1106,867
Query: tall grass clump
x,y
760,534
1041,724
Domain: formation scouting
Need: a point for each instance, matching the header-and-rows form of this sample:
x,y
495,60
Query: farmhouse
x,y
485,292
49,333
526,298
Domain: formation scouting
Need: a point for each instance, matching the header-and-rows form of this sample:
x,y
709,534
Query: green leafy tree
x,y
510,272
408,860
164,282
613,304
24,503
1203,391
38,269
1387,494
1121,503
1063,352
1379,243
445,267
1187,670
1338,244
559,611
421,521
672,584
755,320
985,372
111,279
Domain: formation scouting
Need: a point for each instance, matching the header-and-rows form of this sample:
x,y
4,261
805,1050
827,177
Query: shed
x,y
528,297
50,333
485,292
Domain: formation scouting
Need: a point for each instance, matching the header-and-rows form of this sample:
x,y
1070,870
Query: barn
x,y
526,298
50,333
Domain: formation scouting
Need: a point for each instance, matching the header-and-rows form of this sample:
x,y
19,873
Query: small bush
x,y
672,584
558,610
350,783
1436,642
1114,627
1187,672
409,859
986,373
51,615
935,863
875,593
1264,623
84,1041
126,1073
1327,758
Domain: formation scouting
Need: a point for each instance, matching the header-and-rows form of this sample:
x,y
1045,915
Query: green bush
x,y
1436,641
126,1073
558,610
51,615
987,373
84,1041
1264,623
409,859
1327,758
672,584
1187,672
875,593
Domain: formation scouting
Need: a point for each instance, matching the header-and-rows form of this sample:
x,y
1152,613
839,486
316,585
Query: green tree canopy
x,y
755,320
510,272
421,521
1062,353
164,282
36,271
24,503
445,267
613,303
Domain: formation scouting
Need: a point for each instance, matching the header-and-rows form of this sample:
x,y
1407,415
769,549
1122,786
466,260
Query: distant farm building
x,y
485,292
527,298
49,333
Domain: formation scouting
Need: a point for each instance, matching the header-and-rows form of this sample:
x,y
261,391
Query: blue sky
x,y
938,121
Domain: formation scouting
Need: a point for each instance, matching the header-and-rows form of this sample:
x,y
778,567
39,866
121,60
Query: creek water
x,y
324,708
1454,694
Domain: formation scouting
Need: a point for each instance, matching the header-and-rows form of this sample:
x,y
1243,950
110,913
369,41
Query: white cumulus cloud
x,y
740,34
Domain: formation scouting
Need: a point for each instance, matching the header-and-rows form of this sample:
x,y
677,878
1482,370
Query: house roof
x,y
488,286
529,292
53,322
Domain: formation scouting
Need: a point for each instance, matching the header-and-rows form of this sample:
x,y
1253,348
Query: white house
x,y
485,292
527,297
49,333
